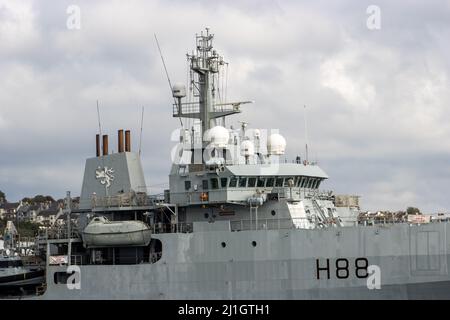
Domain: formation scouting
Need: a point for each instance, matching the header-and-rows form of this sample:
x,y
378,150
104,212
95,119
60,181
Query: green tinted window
x,y
270,182
233,182
242,182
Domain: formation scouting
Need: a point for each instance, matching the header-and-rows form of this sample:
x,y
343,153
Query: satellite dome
x,y
218,137
247,148
276,144
179,90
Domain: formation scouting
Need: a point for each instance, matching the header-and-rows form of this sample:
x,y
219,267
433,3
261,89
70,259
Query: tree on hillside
x,y
2,197
413,210
40,199
26,200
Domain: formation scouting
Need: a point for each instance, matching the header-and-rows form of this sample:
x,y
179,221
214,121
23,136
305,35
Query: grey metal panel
x,y
128,175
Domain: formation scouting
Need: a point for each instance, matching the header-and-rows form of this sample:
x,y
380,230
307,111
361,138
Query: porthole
x,y
254,243
273,212
224,244
206,215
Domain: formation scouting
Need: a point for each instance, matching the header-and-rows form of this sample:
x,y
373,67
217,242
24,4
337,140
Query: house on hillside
x,y
8,210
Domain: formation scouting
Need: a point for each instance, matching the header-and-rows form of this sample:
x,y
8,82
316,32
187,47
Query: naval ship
x,y
237,222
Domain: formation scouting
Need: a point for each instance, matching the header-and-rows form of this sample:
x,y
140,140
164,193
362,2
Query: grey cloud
x,y
377,100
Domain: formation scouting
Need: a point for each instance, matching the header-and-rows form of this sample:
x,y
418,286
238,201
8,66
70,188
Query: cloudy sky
x,y
378,98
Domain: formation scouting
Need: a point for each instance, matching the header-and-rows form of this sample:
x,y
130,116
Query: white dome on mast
x,y
247,148
218,137
276,144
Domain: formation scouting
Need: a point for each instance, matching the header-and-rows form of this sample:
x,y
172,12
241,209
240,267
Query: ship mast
x,y
204,63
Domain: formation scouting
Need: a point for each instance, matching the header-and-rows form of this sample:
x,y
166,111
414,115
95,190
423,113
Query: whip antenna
x,y
142,124
167,74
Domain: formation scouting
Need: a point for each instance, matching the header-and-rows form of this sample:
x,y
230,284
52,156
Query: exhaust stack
x,y
97,145
127,141
105,144
120,140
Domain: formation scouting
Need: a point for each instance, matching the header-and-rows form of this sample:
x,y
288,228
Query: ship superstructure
x,y
237,222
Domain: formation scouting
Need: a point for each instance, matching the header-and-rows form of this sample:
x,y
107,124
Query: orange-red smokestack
x,y
97,145
105,144
120,139
127,141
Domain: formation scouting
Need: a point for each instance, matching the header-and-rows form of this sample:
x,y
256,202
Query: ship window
x,y
279,182
205,184
310,183
270,182
298,181
318,184
214,183
303,183
242,182
223,182
187,184
251,182
273,212
11,264
260,182
206,215
233,182
61,277
224,244
254,243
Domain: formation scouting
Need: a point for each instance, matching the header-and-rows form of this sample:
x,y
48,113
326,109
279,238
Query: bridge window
x,y
305,182
251,182
242,182
233,182
270,182
205,185
223,182
260,182
279,182
310,182
318,184
214,183
187,185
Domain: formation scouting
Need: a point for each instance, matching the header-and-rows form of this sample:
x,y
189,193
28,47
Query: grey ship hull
x,y
413,261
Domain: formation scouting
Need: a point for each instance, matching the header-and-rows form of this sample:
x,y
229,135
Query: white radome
x,y
179,90
218,137
247,148
276,144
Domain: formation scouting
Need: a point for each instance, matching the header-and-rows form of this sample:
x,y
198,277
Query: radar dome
x,y
218,137
179,90
276,144
247,148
